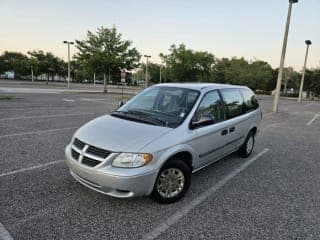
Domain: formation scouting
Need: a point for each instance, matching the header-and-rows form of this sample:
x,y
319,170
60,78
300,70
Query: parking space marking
x,y
309,104
286,103
97,100
313,119
37,132
194,203
264,114
30,168
4,234
48,116
68,100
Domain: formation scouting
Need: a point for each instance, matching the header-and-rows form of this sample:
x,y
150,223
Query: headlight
x,y
132,160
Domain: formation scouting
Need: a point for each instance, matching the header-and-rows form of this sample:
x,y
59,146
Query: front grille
x,y
98,152
90,162
75,154
88,155
79,144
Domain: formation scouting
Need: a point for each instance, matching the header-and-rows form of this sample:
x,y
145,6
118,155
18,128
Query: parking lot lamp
x,y
68,43
161,66
308,43
32,73
283,55
146,80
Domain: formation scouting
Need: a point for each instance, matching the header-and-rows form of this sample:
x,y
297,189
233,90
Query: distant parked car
x,y
152,144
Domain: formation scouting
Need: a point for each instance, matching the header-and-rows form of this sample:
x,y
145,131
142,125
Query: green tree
x,y
256,74
153,72
312,82
14,61
260,73
187,65
105,52
48,64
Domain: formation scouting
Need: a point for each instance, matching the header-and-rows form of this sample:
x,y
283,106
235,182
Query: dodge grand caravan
x,y
153,143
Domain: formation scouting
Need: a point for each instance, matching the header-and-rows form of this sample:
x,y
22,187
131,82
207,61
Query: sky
x,y
252,29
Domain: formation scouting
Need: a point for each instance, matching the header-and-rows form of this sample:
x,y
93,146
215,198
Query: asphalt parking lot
x,y
275,194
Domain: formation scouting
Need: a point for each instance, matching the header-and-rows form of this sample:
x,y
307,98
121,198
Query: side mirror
x,y
203,121
120,103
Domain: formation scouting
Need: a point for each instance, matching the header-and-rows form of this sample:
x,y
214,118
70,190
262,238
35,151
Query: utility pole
x,y
308,43
146,80
32,73
160,73
283,55
67,42
94,79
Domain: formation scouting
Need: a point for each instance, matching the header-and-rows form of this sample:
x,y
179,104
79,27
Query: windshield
x,y
166,106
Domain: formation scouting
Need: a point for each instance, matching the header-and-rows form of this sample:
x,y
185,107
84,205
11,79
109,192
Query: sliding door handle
x,y
224,132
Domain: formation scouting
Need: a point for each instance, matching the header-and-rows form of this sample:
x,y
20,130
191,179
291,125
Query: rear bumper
x,y
105,182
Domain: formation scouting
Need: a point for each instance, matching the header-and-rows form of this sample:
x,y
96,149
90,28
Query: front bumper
x,y
102,180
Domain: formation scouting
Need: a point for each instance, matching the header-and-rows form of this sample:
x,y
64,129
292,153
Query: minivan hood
x,y
119,135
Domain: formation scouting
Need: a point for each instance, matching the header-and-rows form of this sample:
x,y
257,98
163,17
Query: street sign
x,y
123,75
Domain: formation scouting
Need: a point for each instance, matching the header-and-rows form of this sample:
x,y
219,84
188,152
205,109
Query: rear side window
x,y
233,102
250,100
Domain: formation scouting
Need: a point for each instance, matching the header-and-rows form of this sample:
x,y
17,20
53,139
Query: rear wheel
x,y
172,182
246,149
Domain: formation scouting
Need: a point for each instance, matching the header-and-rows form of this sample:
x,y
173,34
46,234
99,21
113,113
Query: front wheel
x,y
172,182
246,149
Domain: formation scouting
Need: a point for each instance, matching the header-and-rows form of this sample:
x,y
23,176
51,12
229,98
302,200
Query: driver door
x,y
210,139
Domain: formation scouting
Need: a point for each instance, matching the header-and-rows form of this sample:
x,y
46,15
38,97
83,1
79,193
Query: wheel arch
x,y
185,153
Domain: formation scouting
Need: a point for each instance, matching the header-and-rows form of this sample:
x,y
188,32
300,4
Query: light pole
x,y
147,82
308,43
67,42
31,73
161,66
283,55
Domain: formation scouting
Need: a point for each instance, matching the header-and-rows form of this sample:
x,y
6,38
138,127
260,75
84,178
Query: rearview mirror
x,y
203,121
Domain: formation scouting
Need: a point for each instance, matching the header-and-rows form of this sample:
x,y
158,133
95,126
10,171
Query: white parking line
x,y
4,234
98,100
286,103
313,119
68,100
266,114
308,105
47,116
194,203
30,168
36,132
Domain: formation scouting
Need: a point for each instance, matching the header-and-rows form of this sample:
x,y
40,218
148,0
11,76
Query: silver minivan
x,y
152,144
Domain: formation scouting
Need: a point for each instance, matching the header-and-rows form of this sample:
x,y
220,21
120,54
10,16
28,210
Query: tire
x,y
177,174
247,147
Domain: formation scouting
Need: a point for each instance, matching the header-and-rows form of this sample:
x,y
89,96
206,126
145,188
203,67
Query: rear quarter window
x,y
233,102
250,100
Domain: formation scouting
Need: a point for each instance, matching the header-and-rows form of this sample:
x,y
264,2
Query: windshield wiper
x,y
145,114
139,116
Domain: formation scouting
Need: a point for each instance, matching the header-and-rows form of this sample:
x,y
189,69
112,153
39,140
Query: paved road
x,y
273,195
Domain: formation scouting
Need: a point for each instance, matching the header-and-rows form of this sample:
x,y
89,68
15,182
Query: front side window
x,y
211,106
169,105
233,102
250,100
